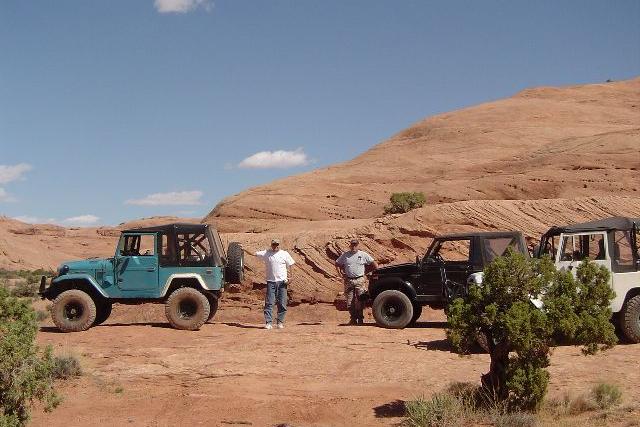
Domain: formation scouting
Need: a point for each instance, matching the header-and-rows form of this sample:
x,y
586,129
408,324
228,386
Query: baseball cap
x,y
275,241
354,242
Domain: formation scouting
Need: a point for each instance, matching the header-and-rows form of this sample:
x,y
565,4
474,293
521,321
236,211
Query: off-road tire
x,y
213,305
103,311
187,309
392,309
73,311
417,312
630,319
234,271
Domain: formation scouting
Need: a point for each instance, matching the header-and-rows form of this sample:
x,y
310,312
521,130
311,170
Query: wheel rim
x,y
392,310
73,311
187,309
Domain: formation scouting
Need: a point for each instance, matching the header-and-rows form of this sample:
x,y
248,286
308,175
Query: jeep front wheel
x,y
392,309
73,311
630,319
187,308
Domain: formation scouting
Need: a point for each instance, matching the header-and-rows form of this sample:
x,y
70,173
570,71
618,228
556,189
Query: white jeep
x,y
612,243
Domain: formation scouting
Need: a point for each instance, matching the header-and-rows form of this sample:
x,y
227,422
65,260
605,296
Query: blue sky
x,y
114,110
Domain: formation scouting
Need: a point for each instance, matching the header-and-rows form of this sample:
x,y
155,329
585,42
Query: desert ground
x,y
315,372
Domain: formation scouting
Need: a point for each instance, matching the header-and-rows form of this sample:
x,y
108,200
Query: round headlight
x,y
63,270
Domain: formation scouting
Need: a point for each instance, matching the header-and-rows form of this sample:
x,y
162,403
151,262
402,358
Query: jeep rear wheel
x,y
630,319
392,309
234,271
103,311
187,308
73,311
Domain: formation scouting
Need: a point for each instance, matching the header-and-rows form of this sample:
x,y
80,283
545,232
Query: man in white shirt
x,y
277,262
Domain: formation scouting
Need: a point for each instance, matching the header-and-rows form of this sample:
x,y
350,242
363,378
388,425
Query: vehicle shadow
x,y
394,409
430,325
242,325
54,330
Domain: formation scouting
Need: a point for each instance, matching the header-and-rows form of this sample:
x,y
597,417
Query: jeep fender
x,y
80,281
392,283
190,278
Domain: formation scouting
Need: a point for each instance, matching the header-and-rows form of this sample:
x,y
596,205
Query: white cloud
x,y
275,159
171,198
81,220
13,173
34,219
181,6
5,197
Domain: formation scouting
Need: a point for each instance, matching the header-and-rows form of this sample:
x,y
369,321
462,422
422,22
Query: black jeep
x,y
452,262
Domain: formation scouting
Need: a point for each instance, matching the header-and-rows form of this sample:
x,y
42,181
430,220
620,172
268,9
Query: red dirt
x,y
316,372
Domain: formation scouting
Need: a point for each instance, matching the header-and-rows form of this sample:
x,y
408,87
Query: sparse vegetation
x,y
26,371
520,334
404,202
41,315
606,395
442,410
66,367
465,404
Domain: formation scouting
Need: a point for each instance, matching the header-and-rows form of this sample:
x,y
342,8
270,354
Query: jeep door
x,y
575,248
453,255
137,263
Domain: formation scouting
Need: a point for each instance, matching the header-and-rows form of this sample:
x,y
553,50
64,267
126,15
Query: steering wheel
x,y
438,258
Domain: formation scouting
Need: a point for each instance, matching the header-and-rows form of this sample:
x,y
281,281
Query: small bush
x,y
26,374
24,289
606,395
404,202
515,419
65,367
41,315
443,410
571,405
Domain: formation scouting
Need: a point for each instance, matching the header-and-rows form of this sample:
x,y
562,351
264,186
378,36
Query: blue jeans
x,y
276,292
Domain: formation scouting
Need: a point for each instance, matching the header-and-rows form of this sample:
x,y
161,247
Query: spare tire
x,y
234,271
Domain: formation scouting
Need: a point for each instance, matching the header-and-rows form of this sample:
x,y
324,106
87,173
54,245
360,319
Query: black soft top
x,y
175,227
614,223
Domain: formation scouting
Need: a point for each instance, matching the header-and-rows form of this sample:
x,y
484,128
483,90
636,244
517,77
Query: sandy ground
x,y
316,372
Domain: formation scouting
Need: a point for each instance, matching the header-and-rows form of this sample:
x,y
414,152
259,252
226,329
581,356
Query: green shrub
x,y
25,369
442,410
404,202
25,289
519,334
65,367
606,395
41,315
515,419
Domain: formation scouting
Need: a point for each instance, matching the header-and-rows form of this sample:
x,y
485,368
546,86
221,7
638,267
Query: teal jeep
x,y
183,266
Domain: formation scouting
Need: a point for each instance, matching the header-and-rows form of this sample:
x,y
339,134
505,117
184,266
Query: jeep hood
x,y
397,269
86,265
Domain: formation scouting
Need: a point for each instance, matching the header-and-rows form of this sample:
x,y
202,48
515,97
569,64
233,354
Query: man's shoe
x,y
353,322
360,322
268,326
280,326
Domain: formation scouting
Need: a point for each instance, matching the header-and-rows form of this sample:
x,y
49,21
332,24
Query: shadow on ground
x,y
394,409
